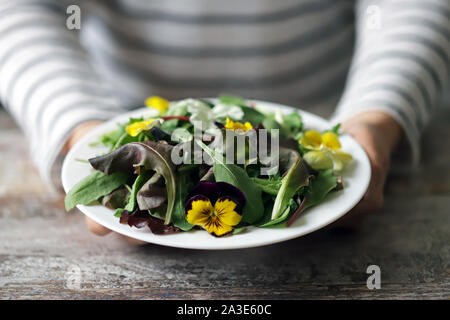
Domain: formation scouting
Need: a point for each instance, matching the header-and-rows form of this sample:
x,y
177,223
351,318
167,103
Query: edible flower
x,y
157,103
137,127
216,207
230,124
201,112
324,150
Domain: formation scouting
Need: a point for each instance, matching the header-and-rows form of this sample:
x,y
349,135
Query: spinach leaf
x,y
93,187
235,175
151,155
268,186
317,190
296,177
292,124
320,187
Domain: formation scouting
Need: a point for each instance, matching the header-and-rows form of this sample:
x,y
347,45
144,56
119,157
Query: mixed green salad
x,y
216,183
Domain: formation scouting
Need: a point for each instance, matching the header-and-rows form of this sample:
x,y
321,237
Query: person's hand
x,y
378,133
76,135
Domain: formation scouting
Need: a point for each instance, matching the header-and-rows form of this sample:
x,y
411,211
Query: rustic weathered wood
x,y
43,249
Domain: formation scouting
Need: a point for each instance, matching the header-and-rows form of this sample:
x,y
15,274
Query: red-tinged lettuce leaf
x,y
116,199
151,196
135,219
141,219
150,155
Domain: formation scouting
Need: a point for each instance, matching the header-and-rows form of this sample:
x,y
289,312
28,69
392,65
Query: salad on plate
x,y
220,165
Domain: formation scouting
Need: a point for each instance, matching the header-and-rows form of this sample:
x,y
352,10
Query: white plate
x,y
355,178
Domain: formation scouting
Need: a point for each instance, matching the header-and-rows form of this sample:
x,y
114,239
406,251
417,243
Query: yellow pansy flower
x,y
324,150
218,220
157,103
215,206
230,124
135,128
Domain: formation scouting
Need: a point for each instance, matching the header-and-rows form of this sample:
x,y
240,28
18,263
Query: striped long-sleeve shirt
x,y
390,55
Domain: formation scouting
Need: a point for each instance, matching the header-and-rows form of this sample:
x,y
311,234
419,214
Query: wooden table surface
x,y
46,253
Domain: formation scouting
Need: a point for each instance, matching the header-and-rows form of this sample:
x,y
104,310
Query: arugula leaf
x,y
151,155
93,187
291,207
184,185
296,177
235,175
137,185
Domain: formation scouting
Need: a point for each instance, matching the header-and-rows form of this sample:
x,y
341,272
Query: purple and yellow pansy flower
x,y
215,206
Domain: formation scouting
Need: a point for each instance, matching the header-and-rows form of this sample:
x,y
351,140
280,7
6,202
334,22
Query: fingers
x,y
371,202
100,230
96,228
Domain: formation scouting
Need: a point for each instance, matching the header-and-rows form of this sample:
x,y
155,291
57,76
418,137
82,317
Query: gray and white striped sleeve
x,y
46,82
401,63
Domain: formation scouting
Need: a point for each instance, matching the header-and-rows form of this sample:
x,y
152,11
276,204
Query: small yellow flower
x,y
324,150
157,103
135,128
311,139
218,220
230,124
330,140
